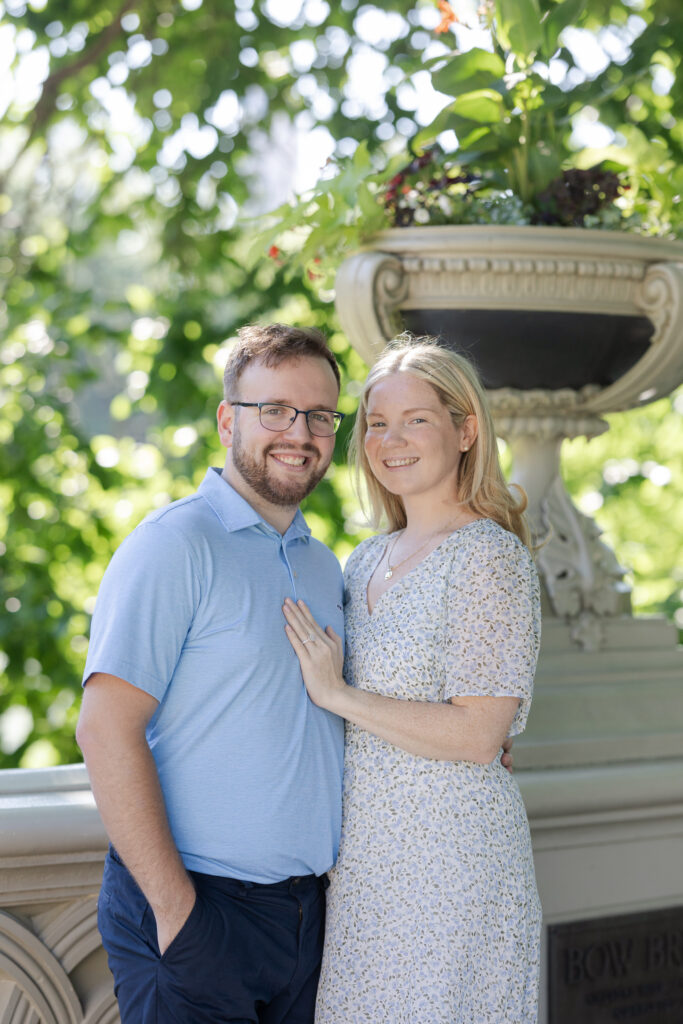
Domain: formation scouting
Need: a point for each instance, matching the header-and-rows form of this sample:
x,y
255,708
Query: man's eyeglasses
x,y
320,422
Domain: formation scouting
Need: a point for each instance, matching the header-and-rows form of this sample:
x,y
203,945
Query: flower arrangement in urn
x,y
433,189
516,159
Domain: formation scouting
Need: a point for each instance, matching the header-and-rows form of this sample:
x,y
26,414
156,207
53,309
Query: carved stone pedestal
x,y
608,844
566,325
601,772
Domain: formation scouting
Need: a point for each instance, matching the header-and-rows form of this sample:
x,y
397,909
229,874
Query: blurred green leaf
x,y
470,71
519,26
484,106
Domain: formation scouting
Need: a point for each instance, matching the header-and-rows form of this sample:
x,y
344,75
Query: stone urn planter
x,y
564,325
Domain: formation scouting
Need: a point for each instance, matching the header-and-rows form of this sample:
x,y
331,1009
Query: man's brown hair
x,y
272,345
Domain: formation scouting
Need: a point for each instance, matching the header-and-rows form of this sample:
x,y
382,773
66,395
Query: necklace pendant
x,y
388,574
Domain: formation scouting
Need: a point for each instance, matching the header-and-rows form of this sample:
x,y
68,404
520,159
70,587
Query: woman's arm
x,y
466,729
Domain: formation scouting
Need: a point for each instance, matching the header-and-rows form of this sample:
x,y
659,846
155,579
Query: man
x,y
218,781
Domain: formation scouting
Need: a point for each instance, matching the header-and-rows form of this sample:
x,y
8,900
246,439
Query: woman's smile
x,y
399,463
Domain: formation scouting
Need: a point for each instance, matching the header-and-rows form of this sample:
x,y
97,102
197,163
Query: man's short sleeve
x,y
145,607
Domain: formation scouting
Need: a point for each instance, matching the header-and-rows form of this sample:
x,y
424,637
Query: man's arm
x,y
125,783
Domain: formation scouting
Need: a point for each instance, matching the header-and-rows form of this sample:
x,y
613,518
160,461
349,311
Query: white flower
x,y
421,216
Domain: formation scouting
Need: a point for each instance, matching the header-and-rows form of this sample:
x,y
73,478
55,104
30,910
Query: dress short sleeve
x,y
492,619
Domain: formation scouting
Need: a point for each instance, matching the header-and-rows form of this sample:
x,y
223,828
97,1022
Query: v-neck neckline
x,y
371,611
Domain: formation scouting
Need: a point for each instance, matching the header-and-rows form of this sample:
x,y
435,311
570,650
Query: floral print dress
x,y
433,912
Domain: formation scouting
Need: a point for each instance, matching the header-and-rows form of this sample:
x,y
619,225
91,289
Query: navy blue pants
x,y
247,953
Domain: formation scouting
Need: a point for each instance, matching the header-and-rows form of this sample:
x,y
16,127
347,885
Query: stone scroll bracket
x,y
370,287
659,297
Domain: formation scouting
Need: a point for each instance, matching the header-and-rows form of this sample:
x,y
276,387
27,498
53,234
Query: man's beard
x,y
256,474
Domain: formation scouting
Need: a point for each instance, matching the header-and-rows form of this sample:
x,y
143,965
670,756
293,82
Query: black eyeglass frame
x,y
337,416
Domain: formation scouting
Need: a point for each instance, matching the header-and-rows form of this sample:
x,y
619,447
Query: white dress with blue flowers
x,y
433,912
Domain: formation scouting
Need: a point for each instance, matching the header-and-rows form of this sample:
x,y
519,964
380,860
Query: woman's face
x,y
411,442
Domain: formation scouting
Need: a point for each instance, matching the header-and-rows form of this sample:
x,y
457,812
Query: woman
x,y
433,913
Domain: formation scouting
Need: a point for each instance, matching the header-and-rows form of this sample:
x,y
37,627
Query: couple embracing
x,y
236,684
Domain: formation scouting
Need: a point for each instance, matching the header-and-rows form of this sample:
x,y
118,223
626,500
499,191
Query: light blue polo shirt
x,y
190,611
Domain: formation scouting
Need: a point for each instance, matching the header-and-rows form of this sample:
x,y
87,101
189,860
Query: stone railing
x,y
594,848
53,969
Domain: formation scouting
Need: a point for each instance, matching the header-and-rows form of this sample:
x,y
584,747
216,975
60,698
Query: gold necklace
x,y
390,568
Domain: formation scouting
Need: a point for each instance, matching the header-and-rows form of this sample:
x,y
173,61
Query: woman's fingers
x,y
311,624
296,619
299,648
319,652
336,640
336,646
303,622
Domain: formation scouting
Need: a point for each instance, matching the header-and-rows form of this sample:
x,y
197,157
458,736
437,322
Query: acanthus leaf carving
x,y
583,578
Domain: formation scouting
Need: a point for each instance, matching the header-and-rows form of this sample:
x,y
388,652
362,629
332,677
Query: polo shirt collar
x,y
236,513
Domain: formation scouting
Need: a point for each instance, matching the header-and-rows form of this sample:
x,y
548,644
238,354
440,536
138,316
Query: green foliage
x,y
631,480
515,109
124,275
122,279
518,27
336,220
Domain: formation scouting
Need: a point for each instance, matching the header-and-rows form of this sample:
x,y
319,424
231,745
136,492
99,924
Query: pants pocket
x,y
120,895
186,945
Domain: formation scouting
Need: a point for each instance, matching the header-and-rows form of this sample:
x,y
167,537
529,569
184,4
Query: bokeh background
x,y
139,143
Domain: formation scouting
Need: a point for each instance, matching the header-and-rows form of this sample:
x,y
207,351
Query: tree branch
x,y
45,107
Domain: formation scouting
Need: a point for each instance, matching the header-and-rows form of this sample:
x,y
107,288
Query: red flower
x,y
273,252
313,274
448,17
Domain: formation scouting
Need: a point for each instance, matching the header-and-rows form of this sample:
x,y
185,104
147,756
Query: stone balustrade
x,y
53,969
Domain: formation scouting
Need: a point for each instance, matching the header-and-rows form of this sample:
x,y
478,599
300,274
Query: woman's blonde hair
x,y
480,483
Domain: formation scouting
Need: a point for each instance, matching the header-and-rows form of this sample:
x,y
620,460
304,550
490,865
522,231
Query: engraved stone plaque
x,y
617,969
